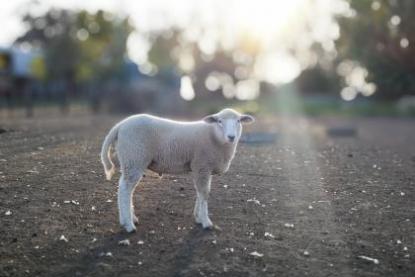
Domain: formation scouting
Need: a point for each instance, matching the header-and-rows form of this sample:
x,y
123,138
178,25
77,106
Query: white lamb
x,y
143,142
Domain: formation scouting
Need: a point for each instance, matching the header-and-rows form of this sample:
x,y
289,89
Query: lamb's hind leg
x,y
127,184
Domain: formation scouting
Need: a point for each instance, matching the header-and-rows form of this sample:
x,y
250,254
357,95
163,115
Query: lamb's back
x,y
160,130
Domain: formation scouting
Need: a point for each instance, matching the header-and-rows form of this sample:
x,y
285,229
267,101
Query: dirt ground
x,y
309,204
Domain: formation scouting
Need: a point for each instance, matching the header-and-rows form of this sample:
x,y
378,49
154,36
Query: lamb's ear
x,y
246,119
210,119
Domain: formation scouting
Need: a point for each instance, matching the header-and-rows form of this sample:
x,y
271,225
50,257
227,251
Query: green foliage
x,y
161,51
103,52
317,80
78,46
38,68
380,36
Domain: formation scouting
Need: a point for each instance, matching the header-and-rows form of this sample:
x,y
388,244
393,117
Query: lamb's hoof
x,y
198,220
130,228
207,225
208,228
135,220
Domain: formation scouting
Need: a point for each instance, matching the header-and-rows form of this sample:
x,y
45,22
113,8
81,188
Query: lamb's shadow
x,y
185,255
94,261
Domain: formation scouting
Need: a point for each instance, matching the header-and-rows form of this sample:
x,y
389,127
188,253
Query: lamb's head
x,y
227,125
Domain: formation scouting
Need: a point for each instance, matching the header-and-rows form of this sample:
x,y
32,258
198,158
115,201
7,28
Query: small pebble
x,y
289,225
106,254
256,254
268,235
375,261
63,238
124,242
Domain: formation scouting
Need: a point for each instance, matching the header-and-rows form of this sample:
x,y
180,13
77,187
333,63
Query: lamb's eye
x,y
220,121
239,121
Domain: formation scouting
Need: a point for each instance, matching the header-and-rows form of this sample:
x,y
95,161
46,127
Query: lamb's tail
x,y
106,152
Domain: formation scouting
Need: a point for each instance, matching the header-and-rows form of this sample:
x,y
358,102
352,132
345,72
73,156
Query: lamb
x,y
202,148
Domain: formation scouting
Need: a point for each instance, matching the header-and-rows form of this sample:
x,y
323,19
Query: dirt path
x,y
309,203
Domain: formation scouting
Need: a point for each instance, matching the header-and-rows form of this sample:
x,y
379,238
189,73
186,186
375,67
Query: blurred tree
x,y
78,46
380,35
317,80
171,52
103,42
221,62
53,34
163,49
38,68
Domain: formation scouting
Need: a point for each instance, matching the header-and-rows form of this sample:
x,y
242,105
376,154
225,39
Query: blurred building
x,y
134,92
22,80
19,72
18,63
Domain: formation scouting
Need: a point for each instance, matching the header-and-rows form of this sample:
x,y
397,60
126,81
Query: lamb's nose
x,y
231,138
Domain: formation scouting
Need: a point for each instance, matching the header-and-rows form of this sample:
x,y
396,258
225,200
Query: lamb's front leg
x,y
197,208
202,184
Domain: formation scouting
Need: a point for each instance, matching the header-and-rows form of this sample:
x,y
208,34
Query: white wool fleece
x,y
143,142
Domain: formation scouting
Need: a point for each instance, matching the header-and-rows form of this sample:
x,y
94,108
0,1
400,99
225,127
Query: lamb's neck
x,y
228,151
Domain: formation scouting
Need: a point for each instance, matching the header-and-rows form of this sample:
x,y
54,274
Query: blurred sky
x,y
275,26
